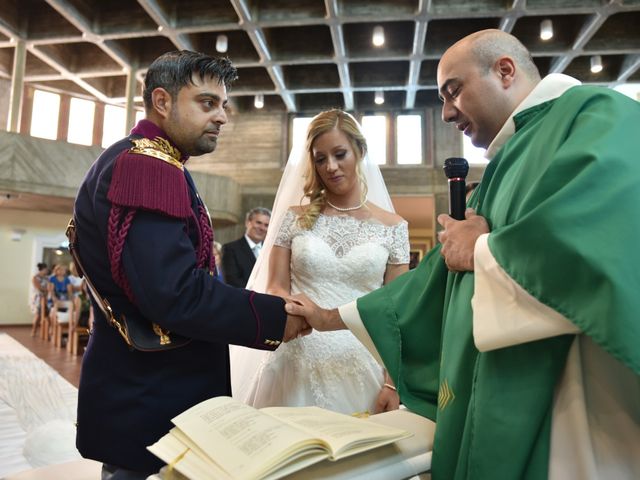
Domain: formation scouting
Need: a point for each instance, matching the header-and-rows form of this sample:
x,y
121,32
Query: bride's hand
x,y
387,400
318,318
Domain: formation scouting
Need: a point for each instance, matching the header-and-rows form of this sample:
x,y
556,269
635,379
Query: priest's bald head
x,y
481,80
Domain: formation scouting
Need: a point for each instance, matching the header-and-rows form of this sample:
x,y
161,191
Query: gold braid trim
x,y
158,148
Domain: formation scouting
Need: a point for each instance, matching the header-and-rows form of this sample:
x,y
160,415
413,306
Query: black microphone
x,y
456,169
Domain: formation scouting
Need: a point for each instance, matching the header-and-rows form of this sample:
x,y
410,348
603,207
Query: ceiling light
x,y
258,101
379,98
222,43
378,36
596,64
160,28
546,29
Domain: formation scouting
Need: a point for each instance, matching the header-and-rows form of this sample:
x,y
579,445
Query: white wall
x,y
19,257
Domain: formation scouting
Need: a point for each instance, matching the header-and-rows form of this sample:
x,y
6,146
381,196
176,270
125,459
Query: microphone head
x,y
456,167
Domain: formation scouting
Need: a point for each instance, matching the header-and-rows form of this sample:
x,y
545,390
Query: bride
x,y
332,236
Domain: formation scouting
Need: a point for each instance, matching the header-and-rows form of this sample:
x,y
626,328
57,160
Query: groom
x,y
144,240
535,380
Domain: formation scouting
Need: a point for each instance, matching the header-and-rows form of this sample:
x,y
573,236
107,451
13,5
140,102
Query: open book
x,y
222,438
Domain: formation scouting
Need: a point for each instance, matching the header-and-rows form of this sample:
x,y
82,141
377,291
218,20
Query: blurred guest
x,y
217,255
239,256
39,285
60,293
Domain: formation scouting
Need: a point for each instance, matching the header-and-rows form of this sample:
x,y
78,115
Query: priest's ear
x,y
161,101
505,67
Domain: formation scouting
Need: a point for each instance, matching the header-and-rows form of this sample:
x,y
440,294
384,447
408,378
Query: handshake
x,y
303,316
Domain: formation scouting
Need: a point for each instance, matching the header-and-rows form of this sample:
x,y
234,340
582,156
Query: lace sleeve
x,y
285,234
399,248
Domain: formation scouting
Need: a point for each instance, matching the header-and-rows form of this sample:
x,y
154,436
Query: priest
x,y
519,333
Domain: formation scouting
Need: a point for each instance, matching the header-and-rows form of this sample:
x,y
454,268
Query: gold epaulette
x,y
158,148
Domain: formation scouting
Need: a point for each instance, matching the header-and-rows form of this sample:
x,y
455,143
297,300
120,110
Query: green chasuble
x,y
561,198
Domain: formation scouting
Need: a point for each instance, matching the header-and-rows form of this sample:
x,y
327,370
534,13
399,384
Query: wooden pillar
x,y
27,110
63,117
392,151
98,123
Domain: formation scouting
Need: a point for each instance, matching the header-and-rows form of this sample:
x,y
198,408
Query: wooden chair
x,y
61,324
78,339
79,332
44,319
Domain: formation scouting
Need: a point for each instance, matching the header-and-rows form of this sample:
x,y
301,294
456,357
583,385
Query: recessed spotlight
x,y
596,64
379,98
222,43
546,29
378,36
258,101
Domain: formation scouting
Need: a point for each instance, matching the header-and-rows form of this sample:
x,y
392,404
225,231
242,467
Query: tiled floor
x,y
67,365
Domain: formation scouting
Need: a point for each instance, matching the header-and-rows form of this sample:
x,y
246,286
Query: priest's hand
x,y
295,327
318,318
459,239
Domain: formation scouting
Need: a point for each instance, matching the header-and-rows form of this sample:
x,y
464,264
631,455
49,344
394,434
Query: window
x,y
114,125
378,129
409,140
44,119
299,130
139,115
630,90
375,131
472,153
81,114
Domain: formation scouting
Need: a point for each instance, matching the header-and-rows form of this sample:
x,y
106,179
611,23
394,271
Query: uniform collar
x,y
147,129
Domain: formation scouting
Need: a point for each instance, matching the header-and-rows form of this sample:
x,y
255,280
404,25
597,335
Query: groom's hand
x,y
318,318
295,327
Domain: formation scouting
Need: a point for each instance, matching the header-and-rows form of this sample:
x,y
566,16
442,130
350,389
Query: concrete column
x,y
132,83
17,85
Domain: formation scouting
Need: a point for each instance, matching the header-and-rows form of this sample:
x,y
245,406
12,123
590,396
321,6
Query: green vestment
x,y
560,198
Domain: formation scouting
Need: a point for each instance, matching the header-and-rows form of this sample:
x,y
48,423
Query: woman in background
x,y
60,292
333,236
39,285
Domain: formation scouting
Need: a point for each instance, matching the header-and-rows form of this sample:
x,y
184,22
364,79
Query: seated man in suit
x,y
239,256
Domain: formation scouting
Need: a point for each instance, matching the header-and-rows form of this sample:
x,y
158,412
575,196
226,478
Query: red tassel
x,y
141,181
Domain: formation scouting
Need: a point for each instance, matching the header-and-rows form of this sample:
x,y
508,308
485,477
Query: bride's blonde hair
x,y
313,187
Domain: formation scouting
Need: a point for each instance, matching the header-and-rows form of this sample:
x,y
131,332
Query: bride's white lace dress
x,y
340,259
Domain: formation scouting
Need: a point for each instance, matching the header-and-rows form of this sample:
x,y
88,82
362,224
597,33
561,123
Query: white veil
x,y
245,362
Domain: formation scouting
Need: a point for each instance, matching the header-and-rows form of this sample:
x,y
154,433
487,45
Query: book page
x,y
344,434
241,440
186,460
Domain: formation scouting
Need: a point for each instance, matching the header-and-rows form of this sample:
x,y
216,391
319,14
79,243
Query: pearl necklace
x,y
347,209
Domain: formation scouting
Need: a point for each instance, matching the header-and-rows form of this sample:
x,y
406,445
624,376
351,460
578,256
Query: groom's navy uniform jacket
x,y
128,397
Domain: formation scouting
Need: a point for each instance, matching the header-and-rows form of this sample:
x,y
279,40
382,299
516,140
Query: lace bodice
x,y
341,258
338,260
